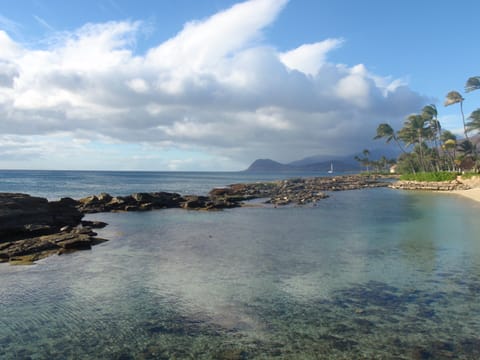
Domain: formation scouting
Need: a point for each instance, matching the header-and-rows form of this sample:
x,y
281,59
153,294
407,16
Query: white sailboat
x,y
331,168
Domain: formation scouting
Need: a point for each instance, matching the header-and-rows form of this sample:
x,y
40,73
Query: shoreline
x,y
472,194
32,228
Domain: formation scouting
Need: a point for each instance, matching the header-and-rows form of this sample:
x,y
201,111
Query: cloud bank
x,y
217,88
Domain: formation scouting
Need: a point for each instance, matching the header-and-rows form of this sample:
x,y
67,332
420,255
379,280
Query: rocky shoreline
x,y
430,185
32,228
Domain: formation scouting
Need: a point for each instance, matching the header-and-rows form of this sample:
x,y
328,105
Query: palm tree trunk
x,y
463,119
403,151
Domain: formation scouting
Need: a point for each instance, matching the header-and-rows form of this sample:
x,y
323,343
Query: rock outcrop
x,y
32,228
28,250
295,191
149,201
429,185
23,215
135,202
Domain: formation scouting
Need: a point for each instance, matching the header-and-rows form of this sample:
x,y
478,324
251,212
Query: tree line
x,y
426,147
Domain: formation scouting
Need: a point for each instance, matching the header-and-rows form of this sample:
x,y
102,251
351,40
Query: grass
x,y
470,175
430,176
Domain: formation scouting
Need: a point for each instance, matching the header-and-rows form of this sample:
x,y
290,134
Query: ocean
x,y
363,274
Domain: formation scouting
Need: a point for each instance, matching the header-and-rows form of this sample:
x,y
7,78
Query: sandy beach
x,y
474,192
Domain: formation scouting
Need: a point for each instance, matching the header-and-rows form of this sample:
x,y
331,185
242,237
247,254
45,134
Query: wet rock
x,y
195,202
32,228
32,249
299,191
94,224
22,216
134,202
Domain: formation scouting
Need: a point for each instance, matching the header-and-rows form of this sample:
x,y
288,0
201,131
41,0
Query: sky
x,y
212,85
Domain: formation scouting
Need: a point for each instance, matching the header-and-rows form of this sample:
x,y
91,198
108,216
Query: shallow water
x,y
364,274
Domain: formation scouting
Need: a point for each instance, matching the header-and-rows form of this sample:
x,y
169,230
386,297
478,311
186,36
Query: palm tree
x,y
449,145
454,97
364,161
447,135
366,153
415,130
473,83
474,123
387,132
430,113
469,151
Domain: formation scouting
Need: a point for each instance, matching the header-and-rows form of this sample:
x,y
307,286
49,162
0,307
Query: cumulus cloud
x,y
217,87
308,58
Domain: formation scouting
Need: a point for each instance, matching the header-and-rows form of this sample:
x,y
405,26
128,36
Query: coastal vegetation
x,y
430,176
427,151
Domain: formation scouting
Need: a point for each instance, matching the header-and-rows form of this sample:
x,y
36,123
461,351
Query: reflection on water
x,y
365,274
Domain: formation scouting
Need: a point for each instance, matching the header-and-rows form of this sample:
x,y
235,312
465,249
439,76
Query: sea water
x,y
77,184
376,273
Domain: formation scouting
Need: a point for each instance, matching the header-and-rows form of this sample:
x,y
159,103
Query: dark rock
x,y
23,216
93,224
134,202
25,251
194,202
32,228
298,191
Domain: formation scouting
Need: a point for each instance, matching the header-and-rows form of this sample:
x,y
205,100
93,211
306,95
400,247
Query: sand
x,y
474,192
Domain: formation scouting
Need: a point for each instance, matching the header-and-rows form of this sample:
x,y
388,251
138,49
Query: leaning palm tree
x,y
474,123
415,131
430,113
468,150
454,97
386,131
473,83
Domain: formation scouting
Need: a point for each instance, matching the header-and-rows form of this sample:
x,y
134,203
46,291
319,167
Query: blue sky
x,y
213,85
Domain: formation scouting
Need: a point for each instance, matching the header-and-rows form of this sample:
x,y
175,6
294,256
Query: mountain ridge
x,y
320,163
269,165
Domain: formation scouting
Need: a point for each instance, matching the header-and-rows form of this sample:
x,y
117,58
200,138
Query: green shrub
x,y
470,175
430,176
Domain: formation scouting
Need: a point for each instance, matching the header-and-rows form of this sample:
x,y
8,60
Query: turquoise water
x,y
366,274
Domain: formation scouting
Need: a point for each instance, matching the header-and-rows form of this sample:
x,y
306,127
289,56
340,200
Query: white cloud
x,y
309,58
216,88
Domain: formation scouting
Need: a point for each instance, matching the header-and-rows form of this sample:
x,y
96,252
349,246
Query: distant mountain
x,y
268,165
320,163
375,154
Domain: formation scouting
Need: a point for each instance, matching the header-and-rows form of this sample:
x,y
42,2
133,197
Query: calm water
x,y
364,274
77,184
